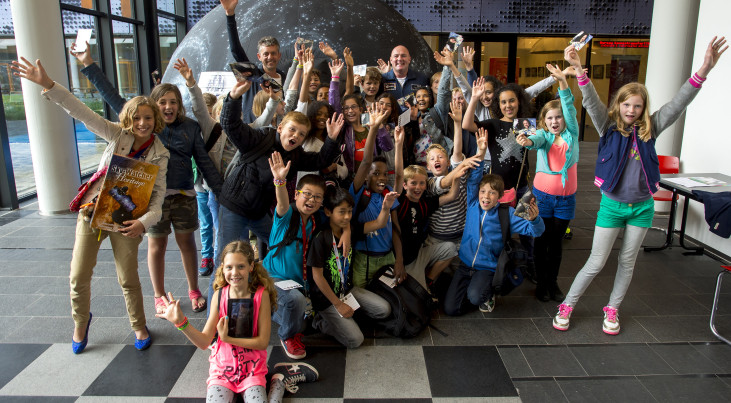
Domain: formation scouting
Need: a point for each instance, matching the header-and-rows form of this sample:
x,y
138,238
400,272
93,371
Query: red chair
x,y
727,270
668,165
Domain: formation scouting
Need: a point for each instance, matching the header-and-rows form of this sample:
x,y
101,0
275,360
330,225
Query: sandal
x,y
159,306
194,295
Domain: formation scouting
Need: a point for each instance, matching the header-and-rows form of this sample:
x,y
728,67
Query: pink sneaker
x,y
561,320
611,320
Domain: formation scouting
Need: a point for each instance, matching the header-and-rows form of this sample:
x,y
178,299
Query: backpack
x,y
411,306
513,259
250,156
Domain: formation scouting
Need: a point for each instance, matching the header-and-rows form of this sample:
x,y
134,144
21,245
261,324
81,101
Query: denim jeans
x,y
290,313
205,222
234,227
476,285
346,330
213,207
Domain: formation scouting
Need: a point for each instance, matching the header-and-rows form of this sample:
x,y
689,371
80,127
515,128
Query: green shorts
x,y
614,214
179,210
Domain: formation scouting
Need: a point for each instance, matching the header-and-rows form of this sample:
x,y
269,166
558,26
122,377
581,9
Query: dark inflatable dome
x,y
369,27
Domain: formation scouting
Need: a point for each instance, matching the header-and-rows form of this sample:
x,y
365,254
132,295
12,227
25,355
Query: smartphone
x,y
83,36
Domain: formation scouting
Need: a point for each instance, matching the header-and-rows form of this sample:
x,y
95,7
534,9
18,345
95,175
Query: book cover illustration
x,y
125,193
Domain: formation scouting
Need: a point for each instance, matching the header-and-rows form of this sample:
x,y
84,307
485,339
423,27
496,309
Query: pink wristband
x,y
582,79
334,76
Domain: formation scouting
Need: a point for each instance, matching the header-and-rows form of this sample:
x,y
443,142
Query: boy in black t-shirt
x,y
331,280
413,212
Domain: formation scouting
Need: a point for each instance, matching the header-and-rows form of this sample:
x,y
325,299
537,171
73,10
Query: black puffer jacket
x,y
249,189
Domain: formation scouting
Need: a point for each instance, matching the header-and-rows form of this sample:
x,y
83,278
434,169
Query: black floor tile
x,y
386,400
330,364
687,388
15,357
620,389
184,400
515,362
678,328
539,391
552,361
719,353
485,332
684,359
673,304
485,374
620,359
142,373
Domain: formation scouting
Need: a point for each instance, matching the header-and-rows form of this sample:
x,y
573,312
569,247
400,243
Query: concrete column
x,y
672,40
38,35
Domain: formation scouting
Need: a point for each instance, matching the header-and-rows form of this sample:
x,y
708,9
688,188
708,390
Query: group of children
x,y
332,228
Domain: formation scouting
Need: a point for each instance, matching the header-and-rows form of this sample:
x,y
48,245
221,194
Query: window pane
x,y
123,8
168,41
89,145
125,52
90,4
166,5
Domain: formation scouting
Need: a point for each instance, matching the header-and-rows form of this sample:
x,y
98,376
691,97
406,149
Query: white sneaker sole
x,y
301,364
559,327
612,332
290,355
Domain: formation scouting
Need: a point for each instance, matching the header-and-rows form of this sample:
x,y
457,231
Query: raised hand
x,y
481,140
35,73
299,51
478,88
468,57
348,56
388,200
182,66
276,95
357,80
308,61
276,164
84,57
327,50
556,72
336,66
444,58
239,89
572,56
455,111
383,67
399,135
413,111
713,53
335,125
377,114
229,6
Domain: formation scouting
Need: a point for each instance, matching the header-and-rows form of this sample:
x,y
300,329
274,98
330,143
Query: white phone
x,y
83,36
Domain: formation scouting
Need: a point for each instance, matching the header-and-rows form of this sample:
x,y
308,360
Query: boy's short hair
x,y
372,73
413,170
312,180
335,196
296,117
380,158
209,99
495,182
316,72
267,41
436,146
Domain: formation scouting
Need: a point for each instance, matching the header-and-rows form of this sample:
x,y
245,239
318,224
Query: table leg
x,y
693,250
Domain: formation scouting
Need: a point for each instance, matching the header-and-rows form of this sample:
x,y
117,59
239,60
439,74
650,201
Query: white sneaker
x,y
561,320
611,320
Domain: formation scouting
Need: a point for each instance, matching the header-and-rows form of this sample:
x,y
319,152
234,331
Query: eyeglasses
x,y
307,195
350,108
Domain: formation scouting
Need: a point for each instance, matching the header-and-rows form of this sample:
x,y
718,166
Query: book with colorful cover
x,y
125,193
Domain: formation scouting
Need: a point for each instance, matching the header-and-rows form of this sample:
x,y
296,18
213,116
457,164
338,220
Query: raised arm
x,y
96,76
279,172
455,112
382,220
234,43
478,87
377,117
270,110
308,63
399,135
453,193
349,80
333,95
200,109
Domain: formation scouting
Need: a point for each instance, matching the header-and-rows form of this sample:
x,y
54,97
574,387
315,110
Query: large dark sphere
x,y
369,27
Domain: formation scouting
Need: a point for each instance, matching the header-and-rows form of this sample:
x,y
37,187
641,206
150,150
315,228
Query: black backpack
x,y
513,260
411,305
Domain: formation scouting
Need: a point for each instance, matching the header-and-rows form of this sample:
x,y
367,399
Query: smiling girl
x,y
132,137
627,172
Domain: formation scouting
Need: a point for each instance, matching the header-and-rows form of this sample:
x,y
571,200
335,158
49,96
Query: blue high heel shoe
x,y
77,348
143,344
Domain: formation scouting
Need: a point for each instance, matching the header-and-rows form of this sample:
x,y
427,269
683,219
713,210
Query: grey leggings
x,y
602,245
254,394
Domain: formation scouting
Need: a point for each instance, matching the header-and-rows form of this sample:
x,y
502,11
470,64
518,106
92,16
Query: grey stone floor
x,y
665,351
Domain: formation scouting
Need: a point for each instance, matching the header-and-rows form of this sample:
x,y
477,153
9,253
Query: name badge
x,y
389,86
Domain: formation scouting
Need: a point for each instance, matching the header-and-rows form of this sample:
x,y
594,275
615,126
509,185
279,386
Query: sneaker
x,y
611,320
294,348
488,305
561,320
292,373
206,267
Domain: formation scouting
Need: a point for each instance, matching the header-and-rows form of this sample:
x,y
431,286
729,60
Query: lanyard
x,y
136,154
305,246
341,264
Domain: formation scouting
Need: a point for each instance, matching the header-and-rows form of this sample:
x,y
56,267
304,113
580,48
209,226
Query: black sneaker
x,y
292,373
488,305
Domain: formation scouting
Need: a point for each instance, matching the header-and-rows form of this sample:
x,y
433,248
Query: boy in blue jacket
x,y
482,240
